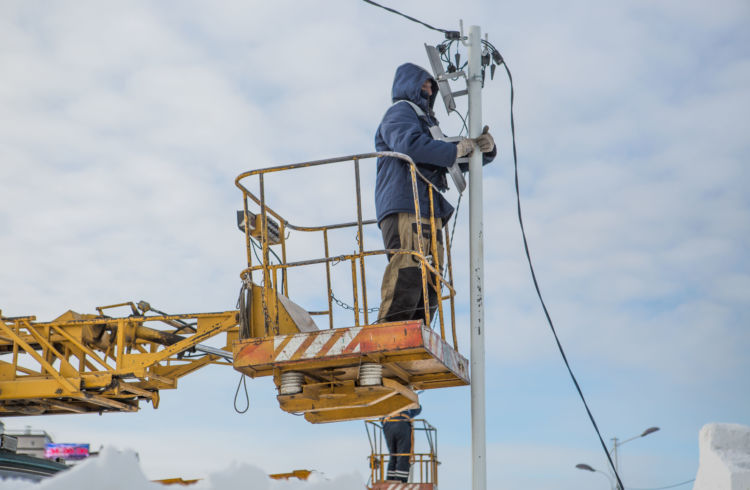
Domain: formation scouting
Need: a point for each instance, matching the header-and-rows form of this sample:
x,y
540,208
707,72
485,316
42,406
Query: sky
x,y
124,124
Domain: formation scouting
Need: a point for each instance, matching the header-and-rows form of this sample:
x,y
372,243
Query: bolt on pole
x,y
476,261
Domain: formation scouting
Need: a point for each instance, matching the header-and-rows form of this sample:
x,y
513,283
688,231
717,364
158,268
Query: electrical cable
x,y
444,31
256,247
663,488
247,397
453,232
536,283
497,58
260,247
463,120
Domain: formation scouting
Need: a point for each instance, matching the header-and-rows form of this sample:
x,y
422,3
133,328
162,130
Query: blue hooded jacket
x,y
401,130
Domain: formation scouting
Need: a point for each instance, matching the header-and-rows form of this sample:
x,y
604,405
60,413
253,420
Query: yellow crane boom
x,y
80,363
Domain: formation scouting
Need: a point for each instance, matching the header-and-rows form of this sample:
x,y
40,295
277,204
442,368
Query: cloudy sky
x,y
124,124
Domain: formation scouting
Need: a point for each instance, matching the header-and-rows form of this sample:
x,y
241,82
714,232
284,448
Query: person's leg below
x,y
403,447
391,439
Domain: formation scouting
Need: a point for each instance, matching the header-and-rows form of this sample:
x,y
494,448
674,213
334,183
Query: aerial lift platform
x,y
364,370
423,474
358,369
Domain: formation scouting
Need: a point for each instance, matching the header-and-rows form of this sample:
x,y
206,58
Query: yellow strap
x,y
398,418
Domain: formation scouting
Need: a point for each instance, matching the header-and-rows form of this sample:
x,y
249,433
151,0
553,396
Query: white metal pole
x,y
478,430
614,453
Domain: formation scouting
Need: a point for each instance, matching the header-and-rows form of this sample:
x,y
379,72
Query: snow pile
x,y
119,470
724,458
111,470
248,477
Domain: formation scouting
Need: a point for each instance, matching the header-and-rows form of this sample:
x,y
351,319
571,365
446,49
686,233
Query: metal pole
x,y
612,483
614,453
478,430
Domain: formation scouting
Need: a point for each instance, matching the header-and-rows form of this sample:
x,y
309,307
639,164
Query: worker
x,y
399,437
406,128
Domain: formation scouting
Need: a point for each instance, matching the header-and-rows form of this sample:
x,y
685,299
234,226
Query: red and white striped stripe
x,y
324,343
351,343
403,486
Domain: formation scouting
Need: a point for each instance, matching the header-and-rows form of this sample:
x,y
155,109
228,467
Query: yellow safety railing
x,y
270,229
424,465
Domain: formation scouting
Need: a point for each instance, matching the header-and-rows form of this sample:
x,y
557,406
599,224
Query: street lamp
x,y
616,444
650,430
584,466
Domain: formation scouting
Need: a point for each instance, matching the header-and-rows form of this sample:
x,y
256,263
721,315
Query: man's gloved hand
x,y
464,147
485,141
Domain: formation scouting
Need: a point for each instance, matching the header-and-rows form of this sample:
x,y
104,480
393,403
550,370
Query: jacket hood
x,y
407,85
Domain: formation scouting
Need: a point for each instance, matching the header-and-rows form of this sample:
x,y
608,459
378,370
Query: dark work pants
x,y
401,292
398,439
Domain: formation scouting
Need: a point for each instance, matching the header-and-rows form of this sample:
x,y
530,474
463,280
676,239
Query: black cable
x,y
256,247
523,231
663,488
260,247
490,45
536,283
446,32
463,119
453,231
247,397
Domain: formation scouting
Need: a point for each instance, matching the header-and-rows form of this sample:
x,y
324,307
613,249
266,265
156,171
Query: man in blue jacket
x,y
399,438
406,128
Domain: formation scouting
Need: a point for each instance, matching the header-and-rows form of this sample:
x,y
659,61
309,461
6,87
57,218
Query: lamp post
x,y
616,444
584,466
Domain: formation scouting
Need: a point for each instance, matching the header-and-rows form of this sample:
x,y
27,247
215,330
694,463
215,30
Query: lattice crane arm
x,y
80,363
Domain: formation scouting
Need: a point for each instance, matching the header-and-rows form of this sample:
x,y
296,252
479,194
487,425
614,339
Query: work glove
x,y
464,147
485,141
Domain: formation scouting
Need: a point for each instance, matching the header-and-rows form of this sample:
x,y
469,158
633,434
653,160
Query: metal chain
x,y
351,308
334,262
